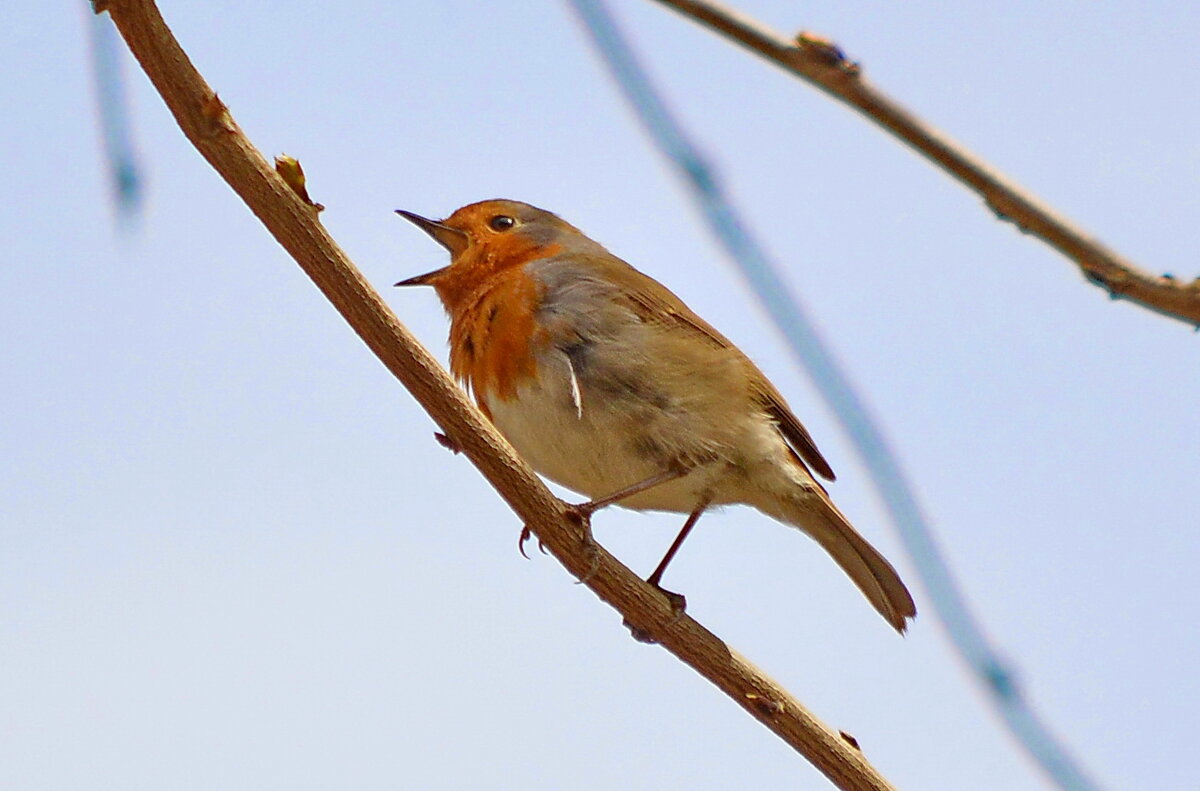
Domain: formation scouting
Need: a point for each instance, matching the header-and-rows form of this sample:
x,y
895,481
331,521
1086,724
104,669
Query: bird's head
x,y
487,238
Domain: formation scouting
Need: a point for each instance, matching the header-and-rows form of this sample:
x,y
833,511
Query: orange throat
x,y
494,337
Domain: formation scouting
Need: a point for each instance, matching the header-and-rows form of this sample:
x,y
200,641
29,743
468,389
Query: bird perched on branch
x,y
605,382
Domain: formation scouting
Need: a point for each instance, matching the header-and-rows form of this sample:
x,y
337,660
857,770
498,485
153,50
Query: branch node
x,y
850,740
592,549
1115,283
441,438
292,173
766,706
827,52
639,634
217,116
1003,215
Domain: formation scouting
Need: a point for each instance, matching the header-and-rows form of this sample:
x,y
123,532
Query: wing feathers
x,y
661,305
651,302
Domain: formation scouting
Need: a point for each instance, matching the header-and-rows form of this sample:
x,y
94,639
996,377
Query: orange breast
x,y
494,337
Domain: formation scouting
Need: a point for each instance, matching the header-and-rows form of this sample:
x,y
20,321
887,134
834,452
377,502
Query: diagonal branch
x,y
292,220
822,64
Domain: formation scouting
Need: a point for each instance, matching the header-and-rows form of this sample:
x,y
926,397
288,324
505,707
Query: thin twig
x,y
823,64
207,123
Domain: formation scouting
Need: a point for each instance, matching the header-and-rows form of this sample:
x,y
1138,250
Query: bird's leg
x,y
592,506
674,472
583,511
678,601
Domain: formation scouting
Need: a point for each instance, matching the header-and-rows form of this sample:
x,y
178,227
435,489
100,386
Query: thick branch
x,y
822,64
292,220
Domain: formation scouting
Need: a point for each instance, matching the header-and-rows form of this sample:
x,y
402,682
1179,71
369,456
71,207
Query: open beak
x,y
452,239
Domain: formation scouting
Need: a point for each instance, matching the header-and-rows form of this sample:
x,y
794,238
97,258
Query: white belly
x,y
600,445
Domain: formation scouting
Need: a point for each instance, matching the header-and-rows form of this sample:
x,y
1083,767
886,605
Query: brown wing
x,y
657,303
794,431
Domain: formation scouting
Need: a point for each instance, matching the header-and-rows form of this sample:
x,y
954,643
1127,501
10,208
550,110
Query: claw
x,y
678,604
527,534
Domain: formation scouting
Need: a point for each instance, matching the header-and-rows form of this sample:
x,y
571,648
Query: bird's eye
x,y
501,222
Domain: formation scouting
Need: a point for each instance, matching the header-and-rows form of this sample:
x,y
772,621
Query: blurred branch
x,y
292,220
822,63
125,174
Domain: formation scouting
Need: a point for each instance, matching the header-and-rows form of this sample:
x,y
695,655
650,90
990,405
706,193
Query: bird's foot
x,y
581,513
678,604
677,601
527,534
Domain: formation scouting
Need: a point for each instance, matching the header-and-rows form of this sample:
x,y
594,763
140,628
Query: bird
x,y
605,382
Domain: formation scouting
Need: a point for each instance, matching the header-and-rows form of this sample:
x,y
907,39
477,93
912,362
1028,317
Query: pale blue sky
x,y
232,556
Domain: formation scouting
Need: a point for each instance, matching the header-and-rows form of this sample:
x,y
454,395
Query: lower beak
x,y
423,280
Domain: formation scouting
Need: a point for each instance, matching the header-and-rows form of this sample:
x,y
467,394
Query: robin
x,y
607,383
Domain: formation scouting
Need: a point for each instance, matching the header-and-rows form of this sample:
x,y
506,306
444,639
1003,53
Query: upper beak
x,y
452,239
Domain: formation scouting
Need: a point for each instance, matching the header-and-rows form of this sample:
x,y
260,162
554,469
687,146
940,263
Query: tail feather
x,y
870,571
